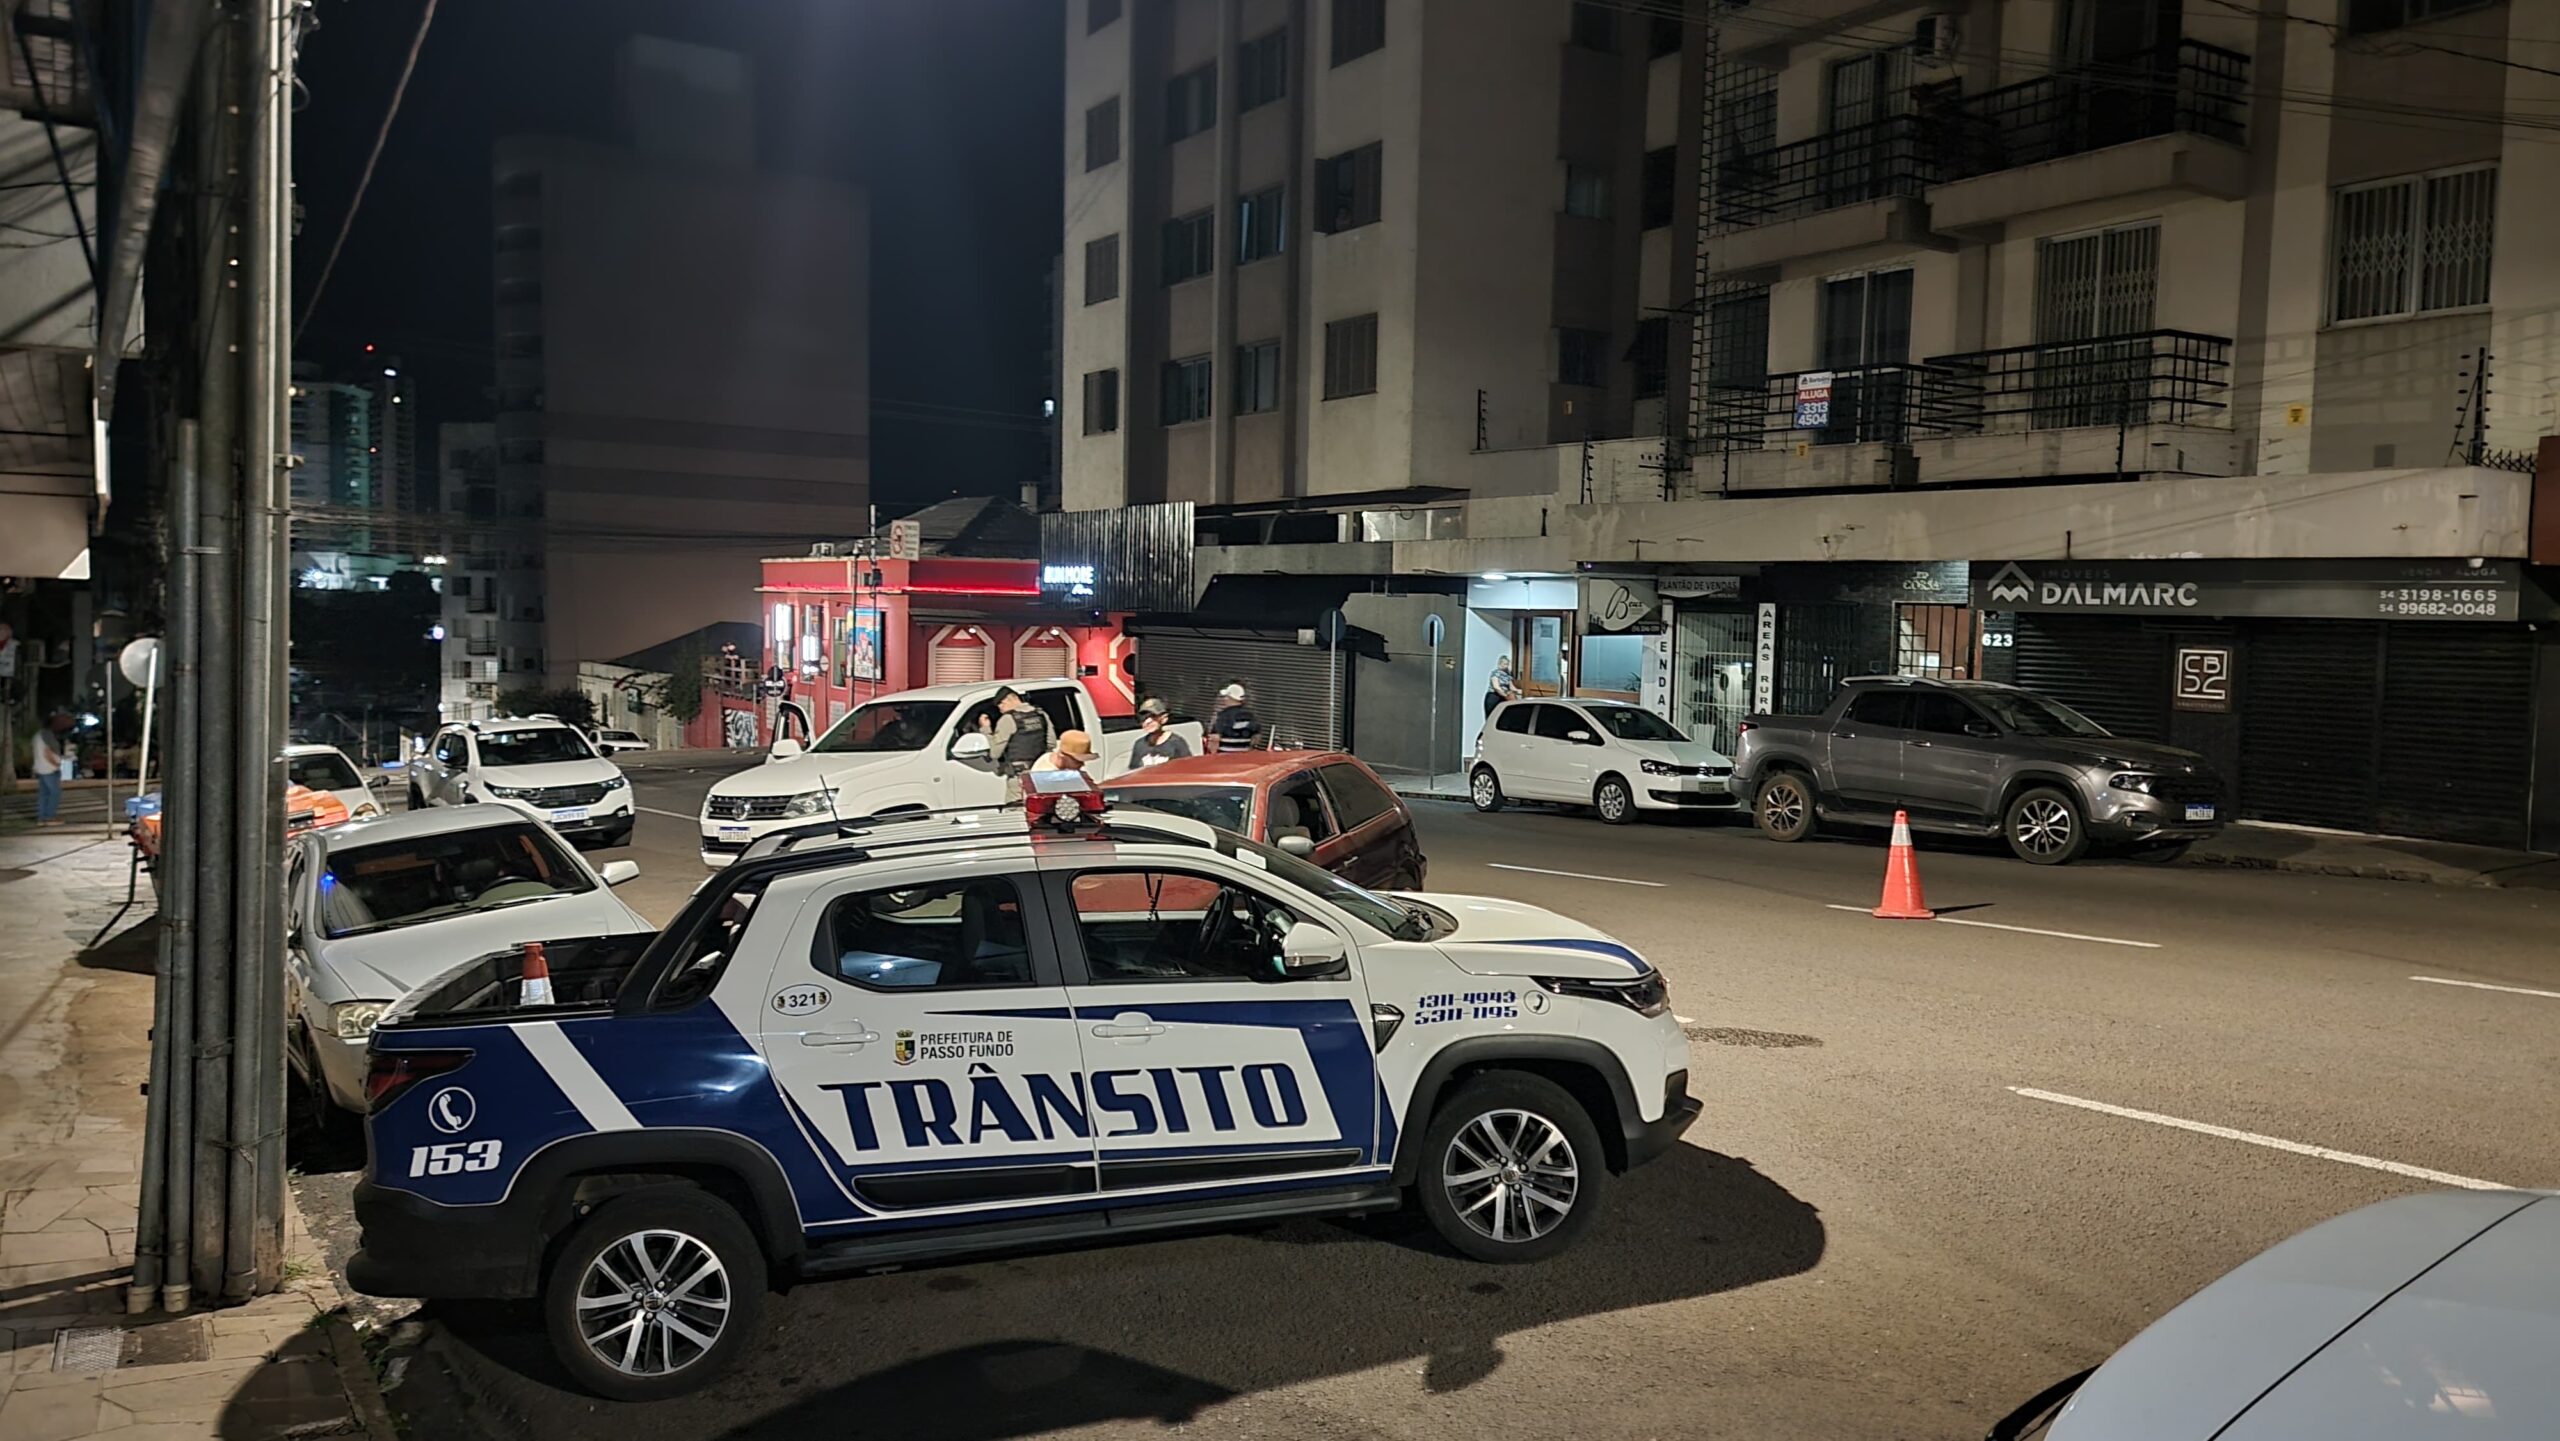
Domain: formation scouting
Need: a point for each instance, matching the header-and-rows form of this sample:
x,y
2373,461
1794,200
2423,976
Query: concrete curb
x,y
319,1284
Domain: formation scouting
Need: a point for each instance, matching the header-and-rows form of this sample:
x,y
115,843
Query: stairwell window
x,y
1186,390
1262,70
1101,402
1348,189
1359,26
1190,103
1586,190
1582,357
1102,134
2412,246
1661,171
1350,356
1257,378
1652,356
1190,247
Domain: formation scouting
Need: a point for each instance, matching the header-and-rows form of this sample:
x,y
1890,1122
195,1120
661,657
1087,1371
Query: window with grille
x,y
1102,270
1190,247
1102,134
1351,357
1652,356
1359,26
2414,245
1262,224
1661,171
1262,70
1582,357
1586,190
1186,390
1348,189
2095,295
1191,103
1257,377
1101,402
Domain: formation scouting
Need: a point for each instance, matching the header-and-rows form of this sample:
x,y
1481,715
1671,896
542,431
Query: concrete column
x,y
1222,324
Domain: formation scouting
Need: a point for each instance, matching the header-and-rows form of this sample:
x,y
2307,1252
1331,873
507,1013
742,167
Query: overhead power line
x,y
364,180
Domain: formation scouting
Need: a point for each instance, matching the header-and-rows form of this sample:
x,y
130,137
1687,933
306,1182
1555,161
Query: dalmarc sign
x,y
2319,589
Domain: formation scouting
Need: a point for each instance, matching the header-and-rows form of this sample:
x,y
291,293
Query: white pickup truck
x,y
918,750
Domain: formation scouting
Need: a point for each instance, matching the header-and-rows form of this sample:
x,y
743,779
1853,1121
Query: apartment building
x,y
2189,360
1329,247
491,573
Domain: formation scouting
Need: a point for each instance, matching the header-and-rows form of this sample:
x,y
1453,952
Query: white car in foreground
x,y
542,767
326,768
1614,757
375,908
2428,1316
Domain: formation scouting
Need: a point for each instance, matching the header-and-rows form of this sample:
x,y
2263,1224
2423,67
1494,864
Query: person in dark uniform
x,y
1020,736
1235,726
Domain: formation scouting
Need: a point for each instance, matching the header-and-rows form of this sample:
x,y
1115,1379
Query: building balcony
x,y
2169,121
1838,192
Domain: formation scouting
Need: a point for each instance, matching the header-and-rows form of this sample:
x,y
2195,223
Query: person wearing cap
x,y
1156,741
1235,725
1018,734
1073,750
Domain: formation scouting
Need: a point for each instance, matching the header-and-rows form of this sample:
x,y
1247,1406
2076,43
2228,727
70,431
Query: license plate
x,y
569,816
2199,813
727,831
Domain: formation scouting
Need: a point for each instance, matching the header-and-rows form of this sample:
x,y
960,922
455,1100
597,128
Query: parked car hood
x,y
386,965
803,773
1511,938
1678,753
2102,750
2429,1313
551,773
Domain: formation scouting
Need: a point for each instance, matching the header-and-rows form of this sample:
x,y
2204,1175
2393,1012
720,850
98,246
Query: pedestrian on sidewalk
x,y
1500,686
1156,741
1234,726
52,767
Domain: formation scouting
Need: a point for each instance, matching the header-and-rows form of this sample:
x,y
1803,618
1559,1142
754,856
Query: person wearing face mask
x,y
1156,742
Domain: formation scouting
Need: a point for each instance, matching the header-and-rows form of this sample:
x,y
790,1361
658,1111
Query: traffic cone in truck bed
x,y
536,990
1902,878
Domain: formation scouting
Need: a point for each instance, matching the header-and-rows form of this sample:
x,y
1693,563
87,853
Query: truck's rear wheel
x,y
653,1295
1784,807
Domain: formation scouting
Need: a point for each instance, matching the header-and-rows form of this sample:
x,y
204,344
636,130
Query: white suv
x,y
540,766
1614,757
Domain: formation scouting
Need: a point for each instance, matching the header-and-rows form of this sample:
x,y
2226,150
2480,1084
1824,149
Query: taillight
x,y
1740,726
392,1072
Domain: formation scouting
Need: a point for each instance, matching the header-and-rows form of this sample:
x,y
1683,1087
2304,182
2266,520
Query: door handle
x,y
859,1035
1129,1026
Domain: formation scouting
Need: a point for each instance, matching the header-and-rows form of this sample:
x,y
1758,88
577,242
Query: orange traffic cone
x,y
536,990
1902,878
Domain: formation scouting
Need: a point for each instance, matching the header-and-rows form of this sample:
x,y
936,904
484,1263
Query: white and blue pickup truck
x,y
862,1046
917,750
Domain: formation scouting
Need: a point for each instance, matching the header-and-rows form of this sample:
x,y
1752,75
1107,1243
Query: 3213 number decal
x,y
453,1158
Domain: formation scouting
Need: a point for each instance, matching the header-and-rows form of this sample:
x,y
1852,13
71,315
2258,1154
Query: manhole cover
x,y
88,1350
1736,1036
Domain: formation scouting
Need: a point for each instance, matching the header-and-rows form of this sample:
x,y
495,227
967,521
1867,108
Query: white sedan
x,y
1614,757
326,768
376,908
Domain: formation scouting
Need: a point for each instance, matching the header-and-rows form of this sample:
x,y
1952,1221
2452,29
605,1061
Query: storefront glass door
x,y
1542,651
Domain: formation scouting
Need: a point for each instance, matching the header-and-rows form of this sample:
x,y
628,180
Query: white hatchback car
x,y
542,767
612,742
376,908
326,768
1614,757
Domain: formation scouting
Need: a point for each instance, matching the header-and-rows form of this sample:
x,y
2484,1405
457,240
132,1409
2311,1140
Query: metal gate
x,y
1293,686
1820,646
2456,733
1944,641
2112,669
1712,674
2309,695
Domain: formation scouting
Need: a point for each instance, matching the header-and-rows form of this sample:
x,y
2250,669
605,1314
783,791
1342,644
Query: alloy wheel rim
x,y
1783,808
1483,786
1511,1176
1613,801
2044,826
653,1303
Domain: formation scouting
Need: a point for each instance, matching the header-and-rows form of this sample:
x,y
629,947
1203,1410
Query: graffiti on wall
x,y
738,729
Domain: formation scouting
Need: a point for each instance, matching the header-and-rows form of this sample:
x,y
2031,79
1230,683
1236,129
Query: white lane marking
x,y
2273,1143
670,815
2485,986
1572,875
1686,1020
2022,930
558,1055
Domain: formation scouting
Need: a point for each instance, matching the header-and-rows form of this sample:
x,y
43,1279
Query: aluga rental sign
x,y
2487,590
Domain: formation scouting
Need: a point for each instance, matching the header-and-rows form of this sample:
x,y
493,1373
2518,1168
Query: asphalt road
x,y
1873,1232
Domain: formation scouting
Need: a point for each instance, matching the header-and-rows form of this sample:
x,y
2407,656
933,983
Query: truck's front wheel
x,y
653,1294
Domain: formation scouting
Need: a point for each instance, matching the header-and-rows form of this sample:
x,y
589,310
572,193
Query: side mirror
x,y
1310,952
1582,738
616,872
972,746
785,748
1300,846
1981,729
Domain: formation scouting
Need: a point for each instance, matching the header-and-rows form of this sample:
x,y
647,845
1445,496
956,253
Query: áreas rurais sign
x,y
2320,589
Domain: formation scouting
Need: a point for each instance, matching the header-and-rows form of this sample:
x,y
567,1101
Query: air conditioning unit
x,y
1934,40
822,548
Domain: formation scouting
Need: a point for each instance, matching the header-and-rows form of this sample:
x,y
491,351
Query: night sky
x,y
947,111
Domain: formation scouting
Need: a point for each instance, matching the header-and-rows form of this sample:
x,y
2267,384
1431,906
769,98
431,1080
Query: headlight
x,y
1647,995
353,1020
2131,781
1665,768
616,783
508,793
808,803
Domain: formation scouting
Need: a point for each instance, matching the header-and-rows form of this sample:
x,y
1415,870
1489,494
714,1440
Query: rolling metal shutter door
x,y
2308,695
2112,669
1289,681
2456,732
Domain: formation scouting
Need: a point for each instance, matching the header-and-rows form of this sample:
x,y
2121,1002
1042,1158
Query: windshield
x,y
1229,808
2029,714
1634,723
539,747
402,883
323,771
1405,923
616,736
886,725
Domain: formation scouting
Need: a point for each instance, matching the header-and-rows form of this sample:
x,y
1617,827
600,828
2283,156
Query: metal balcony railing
x,y
1892,404
2183,87
1877,161
2155,376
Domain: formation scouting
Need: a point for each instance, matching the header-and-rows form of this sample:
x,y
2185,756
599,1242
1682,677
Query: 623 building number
x,y
453,1158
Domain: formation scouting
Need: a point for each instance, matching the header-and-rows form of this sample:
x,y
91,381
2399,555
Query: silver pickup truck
x,y
1974,758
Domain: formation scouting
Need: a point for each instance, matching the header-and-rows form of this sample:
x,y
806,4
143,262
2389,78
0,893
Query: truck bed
x,y
586,975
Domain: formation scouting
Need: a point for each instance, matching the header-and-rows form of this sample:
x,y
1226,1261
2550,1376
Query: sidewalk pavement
x,y
74,1053
2251,845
